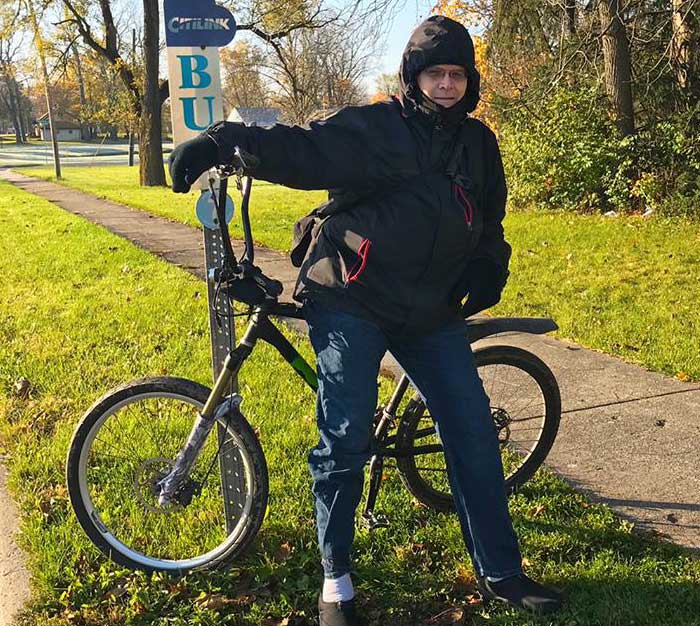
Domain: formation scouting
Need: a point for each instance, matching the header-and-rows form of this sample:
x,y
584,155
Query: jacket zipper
x,y
466,204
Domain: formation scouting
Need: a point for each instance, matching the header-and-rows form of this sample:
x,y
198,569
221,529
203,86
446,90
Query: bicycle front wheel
x,y
525,407
127,442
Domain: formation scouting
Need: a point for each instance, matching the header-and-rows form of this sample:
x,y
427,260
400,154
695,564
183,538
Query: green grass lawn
x,y
274,209
82,310
626,286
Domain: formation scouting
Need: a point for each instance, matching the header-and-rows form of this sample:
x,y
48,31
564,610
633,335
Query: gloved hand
x,y
486,282
190,160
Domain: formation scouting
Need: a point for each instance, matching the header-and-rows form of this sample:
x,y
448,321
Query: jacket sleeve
x,y
335,152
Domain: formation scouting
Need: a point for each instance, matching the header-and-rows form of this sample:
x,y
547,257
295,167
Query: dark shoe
x,y
337,613
522,592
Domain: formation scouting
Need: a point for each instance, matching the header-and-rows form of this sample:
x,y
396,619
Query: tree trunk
x,y
151,170
38,39
26,120
84,130
22,116
618,73
684,49
13,105
570,9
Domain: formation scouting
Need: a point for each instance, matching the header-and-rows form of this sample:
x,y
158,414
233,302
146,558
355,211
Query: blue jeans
x,y
349,350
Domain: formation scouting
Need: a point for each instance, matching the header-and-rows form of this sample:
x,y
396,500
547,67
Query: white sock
x,y
338,589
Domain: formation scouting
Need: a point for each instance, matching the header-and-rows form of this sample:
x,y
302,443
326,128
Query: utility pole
x,y
131,129
42,59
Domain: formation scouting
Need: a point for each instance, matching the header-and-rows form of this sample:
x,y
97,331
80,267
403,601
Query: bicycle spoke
x,y
123,488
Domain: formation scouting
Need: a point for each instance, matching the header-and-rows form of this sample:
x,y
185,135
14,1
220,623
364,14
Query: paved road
x,y
37,153
628,437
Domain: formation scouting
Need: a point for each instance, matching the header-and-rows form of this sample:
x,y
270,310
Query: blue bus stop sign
x,y
190,23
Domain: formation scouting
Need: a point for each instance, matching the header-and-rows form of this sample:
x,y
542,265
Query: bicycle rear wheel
x,y
128,441
525,407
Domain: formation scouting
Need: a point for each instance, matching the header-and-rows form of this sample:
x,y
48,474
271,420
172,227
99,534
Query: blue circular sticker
x,y
206,211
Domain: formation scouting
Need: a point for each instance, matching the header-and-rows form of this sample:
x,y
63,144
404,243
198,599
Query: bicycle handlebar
x,y
232,269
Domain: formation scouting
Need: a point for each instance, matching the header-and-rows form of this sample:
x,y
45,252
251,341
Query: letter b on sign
x,y
192,71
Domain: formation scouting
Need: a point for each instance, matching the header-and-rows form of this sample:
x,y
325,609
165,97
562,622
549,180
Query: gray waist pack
x,y
307,228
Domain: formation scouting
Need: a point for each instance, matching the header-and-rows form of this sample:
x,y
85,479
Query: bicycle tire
x,y
415,478
180,401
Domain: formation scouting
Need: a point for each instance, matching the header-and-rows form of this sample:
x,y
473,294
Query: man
x,y
422,194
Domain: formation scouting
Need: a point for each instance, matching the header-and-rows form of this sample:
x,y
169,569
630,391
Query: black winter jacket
x,y
407,253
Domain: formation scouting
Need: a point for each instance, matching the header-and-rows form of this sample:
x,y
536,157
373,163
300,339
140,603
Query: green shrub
x,y
668,161
563,154
567,154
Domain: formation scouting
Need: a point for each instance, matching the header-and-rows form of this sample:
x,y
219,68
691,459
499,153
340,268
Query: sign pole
x,y
194,31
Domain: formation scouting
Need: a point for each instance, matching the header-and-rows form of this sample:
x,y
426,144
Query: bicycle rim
x,y
127,449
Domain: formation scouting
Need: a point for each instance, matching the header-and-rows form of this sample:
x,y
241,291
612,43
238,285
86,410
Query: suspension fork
x,y
376,467
218,406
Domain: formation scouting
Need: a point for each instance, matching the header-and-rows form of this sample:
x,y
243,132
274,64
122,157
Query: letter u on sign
x,y
192,105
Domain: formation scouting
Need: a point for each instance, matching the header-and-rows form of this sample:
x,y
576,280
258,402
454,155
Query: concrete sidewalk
x,y
628,437
14,578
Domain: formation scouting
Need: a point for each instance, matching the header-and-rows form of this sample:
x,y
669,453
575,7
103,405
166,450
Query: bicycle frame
x,y
260,327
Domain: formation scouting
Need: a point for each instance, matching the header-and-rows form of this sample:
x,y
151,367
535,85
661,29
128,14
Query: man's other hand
x,y
190,160
486,282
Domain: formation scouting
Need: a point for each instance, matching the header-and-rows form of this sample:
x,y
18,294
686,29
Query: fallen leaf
x,y
283,552
214,601
454,615
22,387
537,510
683,376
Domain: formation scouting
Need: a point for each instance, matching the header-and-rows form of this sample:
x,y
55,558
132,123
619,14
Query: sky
x,y
409,14
412,13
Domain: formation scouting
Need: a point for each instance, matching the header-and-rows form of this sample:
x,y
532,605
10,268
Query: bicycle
x,y
185,502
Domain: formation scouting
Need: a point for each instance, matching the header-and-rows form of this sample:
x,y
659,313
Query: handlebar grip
x,y
244,160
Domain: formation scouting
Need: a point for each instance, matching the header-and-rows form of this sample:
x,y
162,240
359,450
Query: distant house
x,y
255,116
65,130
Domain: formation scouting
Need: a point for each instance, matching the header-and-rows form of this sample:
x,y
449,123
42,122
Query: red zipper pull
x,y
464,201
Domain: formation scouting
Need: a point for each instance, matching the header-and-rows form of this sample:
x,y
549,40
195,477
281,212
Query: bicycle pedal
x,y
371,521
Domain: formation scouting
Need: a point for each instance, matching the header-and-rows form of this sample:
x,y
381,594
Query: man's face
x,y
444,84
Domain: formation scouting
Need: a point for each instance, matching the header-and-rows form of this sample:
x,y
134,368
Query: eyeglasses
x,y
457,76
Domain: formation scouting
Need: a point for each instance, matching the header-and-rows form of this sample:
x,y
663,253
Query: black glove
x,y
190,160
486,282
